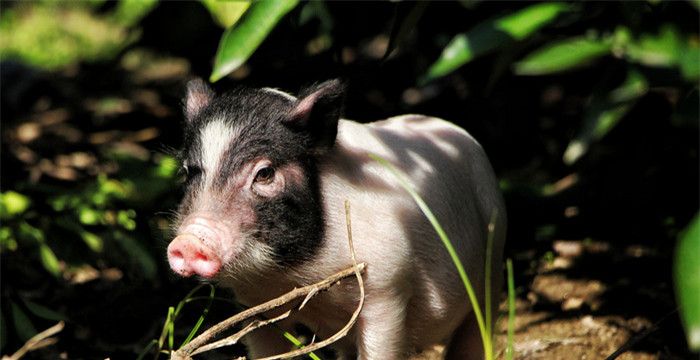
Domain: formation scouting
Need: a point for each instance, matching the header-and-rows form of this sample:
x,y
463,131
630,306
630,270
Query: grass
x,y
484,325
168,332
484,320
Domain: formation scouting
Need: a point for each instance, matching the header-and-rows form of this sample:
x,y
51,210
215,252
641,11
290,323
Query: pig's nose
x,y
187,255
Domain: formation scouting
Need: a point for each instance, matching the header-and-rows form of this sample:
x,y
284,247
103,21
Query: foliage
x,y
56,34
241,40
73,231
687,280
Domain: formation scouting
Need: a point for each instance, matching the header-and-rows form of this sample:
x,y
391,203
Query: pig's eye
x,y
265,175
191,171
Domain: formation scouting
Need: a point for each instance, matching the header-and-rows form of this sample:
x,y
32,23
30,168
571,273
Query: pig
x,y
267,176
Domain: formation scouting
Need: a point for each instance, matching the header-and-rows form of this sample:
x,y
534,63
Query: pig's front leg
x,y
381,329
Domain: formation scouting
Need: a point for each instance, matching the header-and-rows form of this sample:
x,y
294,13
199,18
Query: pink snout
x,y
187,255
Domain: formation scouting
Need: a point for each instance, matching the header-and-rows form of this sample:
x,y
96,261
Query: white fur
x,y
216,138
414,296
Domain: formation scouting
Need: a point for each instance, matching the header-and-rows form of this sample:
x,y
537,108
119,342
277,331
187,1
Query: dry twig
x,y
37,341
202,343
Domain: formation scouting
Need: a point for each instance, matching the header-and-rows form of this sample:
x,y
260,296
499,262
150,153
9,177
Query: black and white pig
x,y
263,212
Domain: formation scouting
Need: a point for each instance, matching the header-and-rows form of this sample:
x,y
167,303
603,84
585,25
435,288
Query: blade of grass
x,y
405,184
487,271
148,348
201,317
511,310
298,344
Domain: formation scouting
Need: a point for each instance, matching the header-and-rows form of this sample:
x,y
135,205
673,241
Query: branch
x,y
203,342
37,341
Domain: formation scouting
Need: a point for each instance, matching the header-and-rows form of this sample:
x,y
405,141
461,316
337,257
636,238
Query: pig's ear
x,y
199,95
317,112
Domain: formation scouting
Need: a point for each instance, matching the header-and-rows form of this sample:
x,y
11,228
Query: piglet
x,y
267,174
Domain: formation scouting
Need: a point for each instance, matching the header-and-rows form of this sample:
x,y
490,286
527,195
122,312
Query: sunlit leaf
x,y
491,35
687,280
605,110
130,12
7,240
525,22
49,260
89,216
13,203
29,232
562,55
226,13
240,41
167,167
125,218
51,38
662,49
93,241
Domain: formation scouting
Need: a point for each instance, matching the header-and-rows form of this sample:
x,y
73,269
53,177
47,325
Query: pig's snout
x,y
187,255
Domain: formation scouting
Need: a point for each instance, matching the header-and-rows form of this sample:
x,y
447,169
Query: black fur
x,y
268,126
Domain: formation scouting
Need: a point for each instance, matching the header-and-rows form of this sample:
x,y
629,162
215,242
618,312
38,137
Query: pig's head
x,y
251,193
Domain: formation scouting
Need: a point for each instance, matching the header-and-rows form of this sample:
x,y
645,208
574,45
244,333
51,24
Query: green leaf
x,y
240,41
690,61
89,216
130,12
662,49
606,109
400,32
686,268
491,35
24,327
525,22
226,13
49,260
43,312
561,56
93,241
13,203
138,254
167,167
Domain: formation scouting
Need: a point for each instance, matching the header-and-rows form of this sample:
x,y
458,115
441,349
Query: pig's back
x,y
451,172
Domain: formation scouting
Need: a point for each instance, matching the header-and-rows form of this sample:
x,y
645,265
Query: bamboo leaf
x,y
490,35
561,56
687,281
240,41
226,13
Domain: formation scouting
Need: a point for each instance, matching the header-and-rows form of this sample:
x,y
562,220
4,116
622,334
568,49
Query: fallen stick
x,y
37,341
